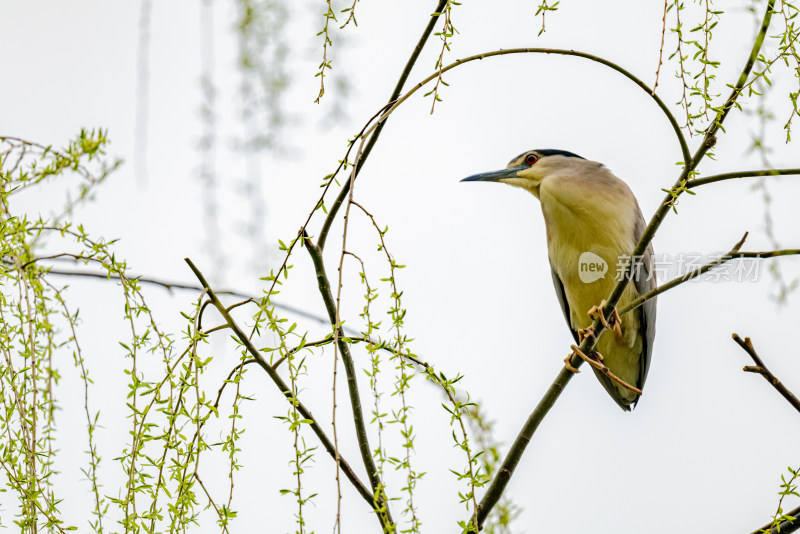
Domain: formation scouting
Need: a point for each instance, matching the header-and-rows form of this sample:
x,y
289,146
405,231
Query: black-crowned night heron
x,y
593,223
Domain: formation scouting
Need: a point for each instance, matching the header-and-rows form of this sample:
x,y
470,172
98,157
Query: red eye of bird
x,y
530,159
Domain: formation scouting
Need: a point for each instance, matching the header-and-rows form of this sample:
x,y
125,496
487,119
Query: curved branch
x,y
742,174
397,100
733,254
556,51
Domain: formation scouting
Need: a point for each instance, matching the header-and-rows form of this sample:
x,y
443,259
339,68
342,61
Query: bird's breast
x,y
590,236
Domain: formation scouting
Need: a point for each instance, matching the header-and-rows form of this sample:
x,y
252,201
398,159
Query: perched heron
x,y
593,223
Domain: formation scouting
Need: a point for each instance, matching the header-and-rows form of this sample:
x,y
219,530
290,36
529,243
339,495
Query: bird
x,y
593,222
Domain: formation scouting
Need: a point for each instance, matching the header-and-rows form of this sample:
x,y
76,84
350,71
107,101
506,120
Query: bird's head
x,y
529,169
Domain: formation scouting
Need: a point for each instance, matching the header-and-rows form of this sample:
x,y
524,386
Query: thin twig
x,y
210,500
702,270
336,321
661,50
407,430
169,286
741,174
684,101
761,369
94,459
228,380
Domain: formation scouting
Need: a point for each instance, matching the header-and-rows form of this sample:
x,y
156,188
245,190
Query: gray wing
x,y
645,281
562,299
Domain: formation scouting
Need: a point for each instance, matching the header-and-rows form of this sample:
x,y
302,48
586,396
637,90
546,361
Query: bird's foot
x,y
597,312
595,360
583,333
615,323
569,365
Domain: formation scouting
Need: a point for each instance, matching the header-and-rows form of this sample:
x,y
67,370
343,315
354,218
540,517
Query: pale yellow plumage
x,y
589,210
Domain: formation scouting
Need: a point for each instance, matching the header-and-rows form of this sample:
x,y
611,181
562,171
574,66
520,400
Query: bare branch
x,y
761,369
169,286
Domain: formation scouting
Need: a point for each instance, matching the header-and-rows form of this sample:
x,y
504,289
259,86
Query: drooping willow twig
x,y
365,493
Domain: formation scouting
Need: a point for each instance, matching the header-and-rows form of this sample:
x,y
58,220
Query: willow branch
x,y
326,443
319,343
762,370
352,382
499,483
743,174
326,226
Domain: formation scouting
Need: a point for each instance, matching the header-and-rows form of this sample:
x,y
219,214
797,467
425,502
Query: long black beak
x,y
494,176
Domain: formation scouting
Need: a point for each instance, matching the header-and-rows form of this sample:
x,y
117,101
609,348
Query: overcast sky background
x,y
705,448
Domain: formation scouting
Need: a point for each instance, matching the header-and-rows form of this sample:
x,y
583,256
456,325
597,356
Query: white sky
x,y
704,450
